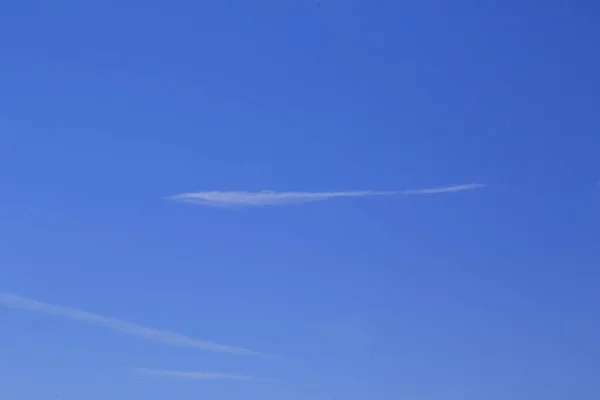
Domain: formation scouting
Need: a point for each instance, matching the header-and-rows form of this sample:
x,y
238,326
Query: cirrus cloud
x,y
272,198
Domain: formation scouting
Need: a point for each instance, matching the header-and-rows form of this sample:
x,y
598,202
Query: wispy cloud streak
x,y
271,198
195,375
130,328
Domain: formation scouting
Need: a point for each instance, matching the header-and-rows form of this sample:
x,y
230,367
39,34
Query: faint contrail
x,y
268,197
12,301
191,374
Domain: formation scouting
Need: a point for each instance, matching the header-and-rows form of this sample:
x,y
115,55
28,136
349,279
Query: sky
x,y
299,200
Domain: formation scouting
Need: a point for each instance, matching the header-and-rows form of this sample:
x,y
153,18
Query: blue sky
x,y
108,109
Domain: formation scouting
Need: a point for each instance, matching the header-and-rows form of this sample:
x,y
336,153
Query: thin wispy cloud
x,y
130,328
194,375
272,198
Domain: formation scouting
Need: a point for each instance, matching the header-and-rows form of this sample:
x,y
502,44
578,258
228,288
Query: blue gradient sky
x,y
108,107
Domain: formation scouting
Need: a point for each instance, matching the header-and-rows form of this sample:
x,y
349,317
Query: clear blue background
x,y
107,106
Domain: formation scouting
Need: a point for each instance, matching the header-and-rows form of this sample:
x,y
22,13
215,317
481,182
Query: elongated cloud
x,y
196,375
130,328
271,198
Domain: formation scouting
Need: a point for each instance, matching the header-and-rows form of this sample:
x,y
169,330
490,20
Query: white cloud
x,y
130,328
268,197
195,375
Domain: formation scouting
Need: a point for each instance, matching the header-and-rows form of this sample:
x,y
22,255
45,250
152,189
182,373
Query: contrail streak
x,y
191,375
130,328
